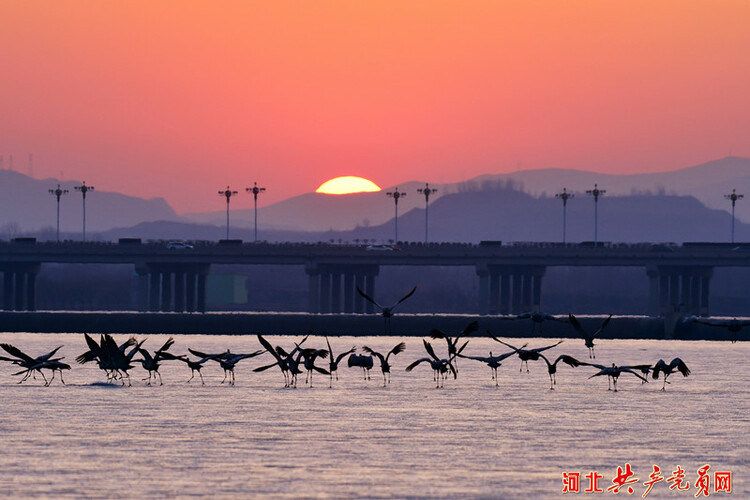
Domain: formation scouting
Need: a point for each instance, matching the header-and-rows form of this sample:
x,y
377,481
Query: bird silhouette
x,y
526,355
286,362
387,312
194,365
537,318
29,364
494,362
309,356
440,367
453,342
151,363
385,366
734,326
333,361
110,357
613,373
667,369
54,365
552,367
227,360
588,337
361,361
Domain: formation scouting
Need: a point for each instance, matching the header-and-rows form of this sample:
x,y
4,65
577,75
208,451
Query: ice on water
x,y
409,439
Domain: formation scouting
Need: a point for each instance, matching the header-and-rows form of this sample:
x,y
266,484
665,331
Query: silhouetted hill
x,y
502,213
322,212
26,203
707,182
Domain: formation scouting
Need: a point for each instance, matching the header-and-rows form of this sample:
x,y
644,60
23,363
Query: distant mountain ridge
x,y
708,182
498,212
26,203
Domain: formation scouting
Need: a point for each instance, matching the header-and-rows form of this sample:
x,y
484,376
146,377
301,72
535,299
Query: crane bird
x,y
453,349
588,337
552,367
52,365
309,356
525,354
151,363
440,367
25,361
494,362
668,369
537,318
195,366
613,373
333,361
734,326
110,357
286,362
385,366
362,361
227,360
387,312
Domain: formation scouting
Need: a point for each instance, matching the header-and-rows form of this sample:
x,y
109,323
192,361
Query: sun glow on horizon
x,y
347,185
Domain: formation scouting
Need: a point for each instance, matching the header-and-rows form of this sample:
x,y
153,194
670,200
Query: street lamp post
x,y
565,196
396,194
58,193
228,193
596,193
426,191
255,190
83,188
733,198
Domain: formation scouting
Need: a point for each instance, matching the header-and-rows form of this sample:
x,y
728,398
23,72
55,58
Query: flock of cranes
x,y
117,360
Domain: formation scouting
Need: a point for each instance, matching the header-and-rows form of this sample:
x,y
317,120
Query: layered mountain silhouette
x,y
708,183
500,212
26,205
678,206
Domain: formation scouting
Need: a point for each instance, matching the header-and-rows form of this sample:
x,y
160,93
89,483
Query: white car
x,y
179,245
380,248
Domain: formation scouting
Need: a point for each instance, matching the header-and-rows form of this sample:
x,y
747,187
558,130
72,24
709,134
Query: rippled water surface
x,y
409,439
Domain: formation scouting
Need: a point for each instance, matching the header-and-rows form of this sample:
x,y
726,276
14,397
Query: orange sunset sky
x,y
178,99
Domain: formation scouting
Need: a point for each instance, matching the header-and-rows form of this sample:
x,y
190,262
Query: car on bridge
x,y
179,245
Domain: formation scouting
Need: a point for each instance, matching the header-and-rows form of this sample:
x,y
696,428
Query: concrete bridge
x,y
510,276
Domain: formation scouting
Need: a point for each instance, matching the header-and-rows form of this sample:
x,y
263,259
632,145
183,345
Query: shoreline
x,y
279,323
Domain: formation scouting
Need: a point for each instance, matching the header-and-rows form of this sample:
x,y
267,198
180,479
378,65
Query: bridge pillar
x,y
141,288
484,305
153,291
682,290
505,279
7,290
516,292
179,291
19,285
201,292
359,301
325,292
313,292
335,292
705,282
494,292
31,291
18,292
190,291
166,291
349,292
370,291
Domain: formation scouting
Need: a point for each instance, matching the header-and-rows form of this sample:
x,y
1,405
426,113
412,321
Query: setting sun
x,y
348,185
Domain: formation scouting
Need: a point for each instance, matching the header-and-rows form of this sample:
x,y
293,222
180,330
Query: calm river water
x,y
360,439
